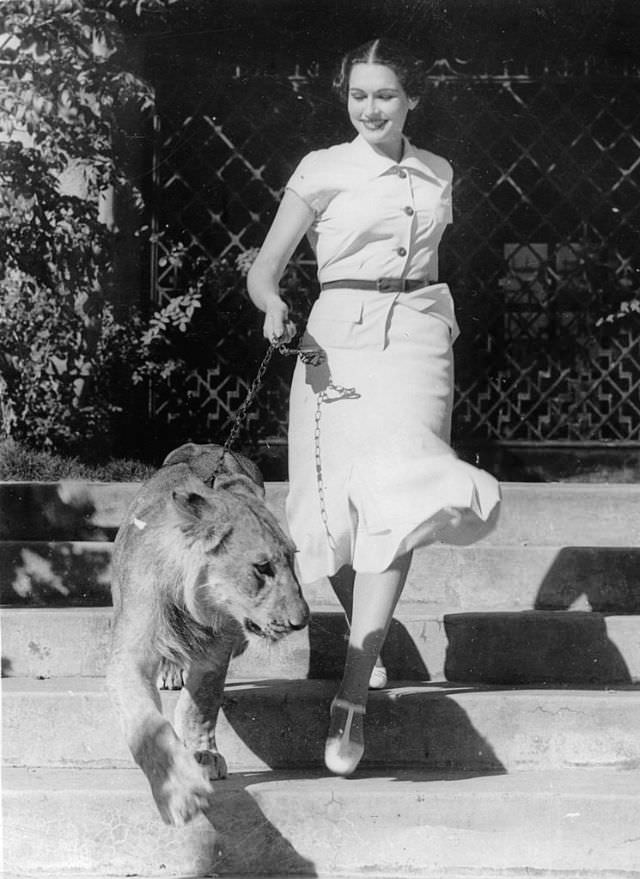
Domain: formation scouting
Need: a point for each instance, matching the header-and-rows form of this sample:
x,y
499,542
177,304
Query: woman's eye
x,y
265,569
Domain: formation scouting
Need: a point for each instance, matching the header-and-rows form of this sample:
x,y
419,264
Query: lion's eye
x,y
265,569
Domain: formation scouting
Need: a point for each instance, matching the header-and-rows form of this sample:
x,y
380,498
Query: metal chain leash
x,y
322,396
241,414
342,393
312,357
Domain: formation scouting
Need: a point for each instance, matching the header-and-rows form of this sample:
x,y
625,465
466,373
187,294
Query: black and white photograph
x,y
320,439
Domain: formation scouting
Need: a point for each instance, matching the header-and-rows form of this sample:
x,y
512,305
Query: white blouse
x,y
375,218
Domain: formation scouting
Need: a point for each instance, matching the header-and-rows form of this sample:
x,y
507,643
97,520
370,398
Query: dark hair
x,y
409,69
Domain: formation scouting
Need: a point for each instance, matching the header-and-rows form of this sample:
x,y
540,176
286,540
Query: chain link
x,y
310,356
342,393
322,396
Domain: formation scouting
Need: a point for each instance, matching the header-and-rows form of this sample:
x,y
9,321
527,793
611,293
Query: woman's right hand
x,y
278,329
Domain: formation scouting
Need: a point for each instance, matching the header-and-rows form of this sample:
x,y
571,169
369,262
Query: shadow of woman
x,y
421,726
414,733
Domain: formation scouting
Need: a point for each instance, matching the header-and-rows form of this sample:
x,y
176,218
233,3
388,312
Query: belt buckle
x,y
391,285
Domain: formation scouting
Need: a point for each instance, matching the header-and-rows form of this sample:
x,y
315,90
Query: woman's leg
x,y
374,600
342,583
343,586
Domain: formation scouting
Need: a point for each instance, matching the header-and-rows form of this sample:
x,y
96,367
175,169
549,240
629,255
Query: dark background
x,y
484,32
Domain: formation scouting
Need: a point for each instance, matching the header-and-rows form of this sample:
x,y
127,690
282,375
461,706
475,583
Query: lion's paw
x,y
184,791
213,762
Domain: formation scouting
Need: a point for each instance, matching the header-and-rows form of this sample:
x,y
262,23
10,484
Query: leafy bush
x,y
65,83
64,389
66,78
53,255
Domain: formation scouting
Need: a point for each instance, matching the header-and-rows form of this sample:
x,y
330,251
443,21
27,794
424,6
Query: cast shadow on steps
x,y
602,578
410,725
581,631
244,841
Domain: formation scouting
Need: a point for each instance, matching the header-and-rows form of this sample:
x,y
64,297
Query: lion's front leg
x,y
197,713
180,784
181,787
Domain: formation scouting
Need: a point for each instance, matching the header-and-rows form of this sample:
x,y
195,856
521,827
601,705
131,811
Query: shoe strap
x,y
351,707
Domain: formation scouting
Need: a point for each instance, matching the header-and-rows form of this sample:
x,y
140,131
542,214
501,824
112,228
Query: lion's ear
x,y
191,504
202,519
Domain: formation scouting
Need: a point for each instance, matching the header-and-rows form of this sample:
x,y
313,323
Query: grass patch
x,y
21,464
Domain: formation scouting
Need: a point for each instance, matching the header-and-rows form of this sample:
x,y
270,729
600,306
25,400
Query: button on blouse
x,y
374,217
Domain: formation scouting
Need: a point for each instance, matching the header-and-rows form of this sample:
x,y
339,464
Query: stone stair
x,y
507,746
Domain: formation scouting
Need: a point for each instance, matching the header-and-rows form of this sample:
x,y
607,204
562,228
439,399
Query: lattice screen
x,y
545,239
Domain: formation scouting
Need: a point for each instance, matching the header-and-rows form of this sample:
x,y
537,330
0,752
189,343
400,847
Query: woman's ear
x,y
413,103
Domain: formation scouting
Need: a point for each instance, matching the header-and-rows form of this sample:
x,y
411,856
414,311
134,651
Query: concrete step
x,y
442,578
68,510
397,822
498,647
542,647
282,724
545,514
66,642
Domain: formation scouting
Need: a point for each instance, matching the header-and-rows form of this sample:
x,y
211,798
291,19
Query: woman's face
x,y
378,106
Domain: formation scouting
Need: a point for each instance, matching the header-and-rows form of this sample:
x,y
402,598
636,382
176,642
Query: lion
x,y
199,569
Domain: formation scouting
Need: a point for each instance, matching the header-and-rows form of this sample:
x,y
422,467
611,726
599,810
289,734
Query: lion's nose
x,y
300,619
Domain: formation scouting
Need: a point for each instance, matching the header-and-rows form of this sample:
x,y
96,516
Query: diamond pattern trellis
x,y
545,239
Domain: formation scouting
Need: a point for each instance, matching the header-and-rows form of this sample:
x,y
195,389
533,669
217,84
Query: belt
x,y
383,285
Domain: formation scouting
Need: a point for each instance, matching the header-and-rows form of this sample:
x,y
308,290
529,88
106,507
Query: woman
x,y
371,471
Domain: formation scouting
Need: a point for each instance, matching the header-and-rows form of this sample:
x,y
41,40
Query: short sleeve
x,y
311,181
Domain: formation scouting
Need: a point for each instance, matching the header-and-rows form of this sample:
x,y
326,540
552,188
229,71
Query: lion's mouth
x,y
254,628
272,632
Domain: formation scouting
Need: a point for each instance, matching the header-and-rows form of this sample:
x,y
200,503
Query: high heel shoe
x,y
341,755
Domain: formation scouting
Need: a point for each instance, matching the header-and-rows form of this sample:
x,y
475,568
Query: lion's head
x,y
221,562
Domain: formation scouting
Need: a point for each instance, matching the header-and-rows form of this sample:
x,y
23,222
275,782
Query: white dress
x,y
371,471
